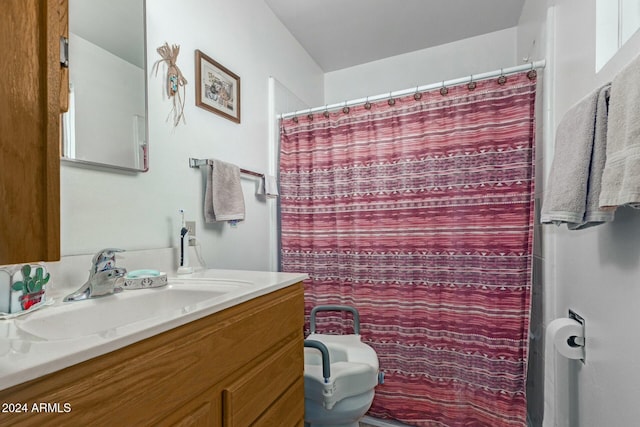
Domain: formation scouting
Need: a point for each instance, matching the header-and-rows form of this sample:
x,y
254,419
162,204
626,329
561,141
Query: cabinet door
x,y
32,96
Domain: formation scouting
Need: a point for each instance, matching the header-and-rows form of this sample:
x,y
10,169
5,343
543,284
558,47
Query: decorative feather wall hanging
x,y
175,82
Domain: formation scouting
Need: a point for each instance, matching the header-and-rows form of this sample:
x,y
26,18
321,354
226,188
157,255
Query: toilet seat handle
x,y
348,308
326,363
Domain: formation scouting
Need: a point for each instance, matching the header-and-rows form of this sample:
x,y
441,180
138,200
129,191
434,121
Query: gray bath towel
x,y
223,200
594,215
621,177
574,181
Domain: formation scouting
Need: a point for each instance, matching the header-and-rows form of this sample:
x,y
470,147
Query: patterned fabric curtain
x,y
420,214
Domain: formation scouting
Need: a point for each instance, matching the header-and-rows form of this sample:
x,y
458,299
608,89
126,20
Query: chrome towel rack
x,y
196,163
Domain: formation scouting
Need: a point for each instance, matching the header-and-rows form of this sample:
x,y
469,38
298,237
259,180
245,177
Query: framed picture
x,y
217,88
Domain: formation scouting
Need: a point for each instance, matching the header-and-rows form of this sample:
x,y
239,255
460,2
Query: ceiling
x,y
343,33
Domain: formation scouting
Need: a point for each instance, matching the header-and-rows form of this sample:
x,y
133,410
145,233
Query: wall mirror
x,y
106,125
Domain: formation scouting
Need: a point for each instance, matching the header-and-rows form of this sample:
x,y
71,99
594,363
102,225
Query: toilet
x,y
340,375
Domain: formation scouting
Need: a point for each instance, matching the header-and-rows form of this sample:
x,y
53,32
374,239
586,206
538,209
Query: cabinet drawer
x,y
263,387
288,411
202,411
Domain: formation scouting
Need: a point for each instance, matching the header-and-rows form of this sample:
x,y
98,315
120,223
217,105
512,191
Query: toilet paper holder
x,y
575,341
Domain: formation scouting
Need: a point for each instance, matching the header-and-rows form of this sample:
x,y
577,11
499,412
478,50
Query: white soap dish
x,y
142,279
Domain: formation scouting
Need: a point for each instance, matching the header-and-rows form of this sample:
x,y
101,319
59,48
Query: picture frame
x,y
217,88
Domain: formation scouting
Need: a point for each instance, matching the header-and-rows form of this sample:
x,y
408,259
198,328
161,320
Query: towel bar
x,y
196,163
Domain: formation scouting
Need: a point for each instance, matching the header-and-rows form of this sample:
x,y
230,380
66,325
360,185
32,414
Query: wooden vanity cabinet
x,y
33,94
240,367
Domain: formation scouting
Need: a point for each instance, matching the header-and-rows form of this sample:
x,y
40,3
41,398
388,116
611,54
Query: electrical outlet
x,y
191,226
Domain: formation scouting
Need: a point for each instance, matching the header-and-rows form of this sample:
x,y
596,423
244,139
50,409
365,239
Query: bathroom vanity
x,y
236,360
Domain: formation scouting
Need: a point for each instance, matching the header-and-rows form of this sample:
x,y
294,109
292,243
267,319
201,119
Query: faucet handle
x,y
104,260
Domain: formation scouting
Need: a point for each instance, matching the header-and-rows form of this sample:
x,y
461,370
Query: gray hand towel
x,y
574,181
621,177
223,200
268,187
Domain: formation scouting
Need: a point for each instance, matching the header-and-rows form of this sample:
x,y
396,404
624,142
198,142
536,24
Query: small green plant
x,y
30,285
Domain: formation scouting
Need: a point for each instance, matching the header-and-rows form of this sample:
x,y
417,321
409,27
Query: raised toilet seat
x,y
340,375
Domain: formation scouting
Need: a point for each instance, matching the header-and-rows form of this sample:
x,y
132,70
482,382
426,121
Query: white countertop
x,y
25,356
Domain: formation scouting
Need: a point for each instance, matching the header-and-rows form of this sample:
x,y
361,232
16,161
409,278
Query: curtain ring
x,y
367,105
391,101
471,85
326,112
417,96
444,90
346,109
310,116
502,79
295,119
532,74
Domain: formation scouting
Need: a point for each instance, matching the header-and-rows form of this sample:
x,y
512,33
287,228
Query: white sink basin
x,y
104,315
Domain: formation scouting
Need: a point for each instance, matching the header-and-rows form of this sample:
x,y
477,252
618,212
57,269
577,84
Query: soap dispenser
x,y
183,262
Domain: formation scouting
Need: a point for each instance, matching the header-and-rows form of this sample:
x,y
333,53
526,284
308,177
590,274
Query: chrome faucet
x,y
104,277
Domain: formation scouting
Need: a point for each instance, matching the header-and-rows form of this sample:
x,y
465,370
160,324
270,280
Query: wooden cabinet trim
x,y
57,87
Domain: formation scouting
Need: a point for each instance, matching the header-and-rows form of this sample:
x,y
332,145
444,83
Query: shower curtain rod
x,y
398,93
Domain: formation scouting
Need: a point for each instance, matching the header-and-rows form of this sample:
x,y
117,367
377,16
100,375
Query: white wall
x,y
595,271
474,55
102,209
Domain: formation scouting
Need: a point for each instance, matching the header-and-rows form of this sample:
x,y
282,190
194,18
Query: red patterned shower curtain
x,y
420,215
